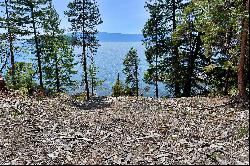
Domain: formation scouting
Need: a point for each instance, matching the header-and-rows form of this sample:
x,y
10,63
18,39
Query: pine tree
x,y
117,89
93,79
24,77
32,16
84,17
58,63
131,63
154,33
8,23
191,54
58,57
224,37
161,50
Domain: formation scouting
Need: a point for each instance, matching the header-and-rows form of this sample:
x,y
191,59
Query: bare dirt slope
x,y
123,130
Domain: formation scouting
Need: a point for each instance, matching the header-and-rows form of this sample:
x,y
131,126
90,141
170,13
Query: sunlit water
x,y
109,60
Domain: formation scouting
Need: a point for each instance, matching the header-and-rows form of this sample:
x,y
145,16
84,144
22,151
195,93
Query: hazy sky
x,y
124,16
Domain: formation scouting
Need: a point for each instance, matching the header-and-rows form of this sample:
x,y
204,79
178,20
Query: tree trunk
x,y
57,75
37,49
226,50
243,51
191,66
57,70
227,82
156,68
92,86
84,55
156,76
176,57
136,78
10,38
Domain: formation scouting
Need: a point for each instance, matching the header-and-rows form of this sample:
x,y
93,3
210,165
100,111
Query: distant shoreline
x,y
116,37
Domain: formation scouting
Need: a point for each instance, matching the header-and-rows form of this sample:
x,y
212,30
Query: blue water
x,y
109,60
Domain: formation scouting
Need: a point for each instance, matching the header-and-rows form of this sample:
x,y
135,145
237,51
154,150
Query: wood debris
x,y
107,130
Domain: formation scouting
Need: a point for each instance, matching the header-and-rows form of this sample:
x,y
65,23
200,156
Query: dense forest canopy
x,y
197,47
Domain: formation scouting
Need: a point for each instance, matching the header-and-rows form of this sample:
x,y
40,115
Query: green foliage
x,y
80,96
220,23
31,19
131,63
84,16
10,19
161,49
95,82
58,63
154,32
117,89
191,56
58,57
24,77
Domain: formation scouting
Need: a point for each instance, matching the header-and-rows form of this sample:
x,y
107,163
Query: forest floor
x,y
123,130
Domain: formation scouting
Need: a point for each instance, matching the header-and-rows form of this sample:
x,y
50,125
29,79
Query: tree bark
x,y
10,39
227,82
243,54
136,78
156,78
38,55
226,50
84,54
57,74
176,57
191,66
92,87
156,66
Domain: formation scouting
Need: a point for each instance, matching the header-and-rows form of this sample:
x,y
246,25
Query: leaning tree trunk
x,y
191,66
38,55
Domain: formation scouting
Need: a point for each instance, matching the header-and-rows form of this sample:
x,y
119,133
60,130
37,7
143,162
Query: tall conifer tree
x,y
225,24
161,50
8,23
154,33
58,56
32,13
84,17
131,63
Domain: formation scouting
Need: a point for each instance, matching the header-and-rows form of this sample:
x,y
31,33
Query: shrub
x,y
117,89
23,77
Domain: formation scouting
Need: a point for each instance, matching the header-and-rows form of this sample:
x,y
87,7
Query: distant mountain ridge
x,y
118,37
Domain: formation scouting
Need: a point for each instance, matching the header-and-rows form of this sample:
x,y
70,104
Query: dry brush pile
x,y
106,130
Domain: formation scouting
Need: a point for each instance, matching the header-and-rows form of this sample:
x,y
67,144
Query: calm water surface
x,y
109,60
